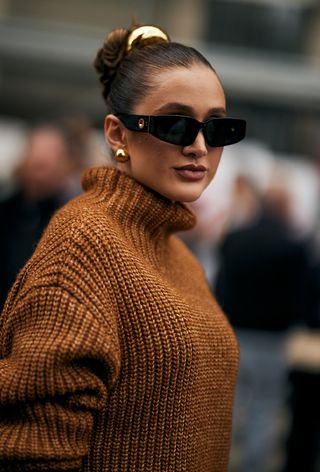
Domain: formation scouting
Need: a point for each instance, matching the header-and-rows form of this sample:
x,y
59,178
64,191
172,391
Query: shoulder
x,y
182,255
74,246
82,220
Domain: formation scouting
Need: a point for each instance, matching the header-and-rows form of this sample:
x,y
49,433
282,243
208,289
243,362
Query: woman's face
x,y
194,92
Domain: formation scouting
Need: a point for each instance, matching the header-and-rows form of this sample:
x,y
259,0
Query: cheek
x,y
148,163
214,161
151,152
141,147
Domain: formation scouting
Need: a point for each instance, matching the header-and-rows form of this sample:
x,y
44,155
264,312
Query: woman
x,y
115,357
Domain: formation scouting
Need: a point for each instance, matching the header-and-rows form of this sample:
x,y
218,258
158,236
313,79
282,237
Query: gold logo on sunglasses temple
x,y
141,123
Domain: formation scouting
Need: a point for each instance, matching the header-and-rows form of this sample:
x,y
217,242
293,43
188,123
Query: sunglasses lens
x,y
174,129
224,131
183,130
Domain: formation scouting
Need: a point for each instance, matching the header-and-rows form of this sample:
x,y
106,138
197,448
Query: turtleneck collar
x,y
134,204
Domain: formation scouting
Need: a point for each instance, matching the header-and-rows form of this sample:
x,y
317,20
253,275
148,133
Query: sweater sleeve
x,y
58,361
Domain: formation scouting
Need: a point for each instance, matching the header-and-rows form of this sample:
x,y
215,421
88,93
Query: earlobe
x,y
114,132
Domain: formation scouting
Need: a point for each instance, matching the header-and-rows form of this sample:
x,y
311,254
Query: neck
x,y
137,206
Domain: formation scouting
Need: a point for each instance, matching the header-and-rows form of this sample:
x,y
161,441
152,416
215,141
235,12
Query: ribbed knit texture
x,y
114,355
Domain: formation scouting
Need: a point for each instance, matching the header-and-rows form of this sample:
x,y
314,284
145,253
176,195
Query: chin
x,y
187,197
190,199
182,193
189,194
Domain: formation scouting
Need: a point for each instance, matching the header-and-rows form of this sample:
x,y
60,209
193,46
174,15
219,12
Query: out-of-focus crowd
x,y
258,239
40,169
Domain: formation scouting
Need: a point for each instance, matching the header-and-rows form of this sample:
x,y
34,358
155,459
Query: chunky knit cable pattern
x,y
114,355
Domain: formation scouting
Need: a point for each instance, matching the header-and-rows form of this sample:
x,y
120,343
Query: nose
x,y
198,148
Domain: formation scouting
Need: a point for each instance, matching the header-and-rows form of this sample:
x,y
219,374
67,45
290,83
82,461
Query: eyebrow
x,y
175,106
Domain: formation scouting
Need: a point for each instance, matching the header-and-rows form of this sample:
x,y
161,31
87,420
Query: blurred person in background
x,y
45,179
302,447
260,285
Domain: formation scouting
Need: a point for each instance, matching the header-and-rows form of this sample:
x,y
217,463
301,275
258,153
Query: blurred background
x,y
264,200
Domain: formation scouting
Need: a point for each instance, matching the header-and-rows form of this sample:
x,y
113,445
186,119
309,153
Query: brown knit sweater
x,y
114,357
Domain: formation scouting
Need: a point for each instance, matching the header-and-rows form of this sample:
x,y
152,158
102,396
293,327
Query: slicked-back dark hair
x,y
127,78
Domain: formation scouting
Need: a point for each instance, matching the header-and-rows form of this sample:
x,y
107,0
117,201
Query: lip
x,y
192,167
191,172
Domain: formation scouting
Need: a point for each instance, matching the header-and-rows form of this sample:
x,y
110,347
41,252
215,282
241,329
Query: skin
x,y
195,91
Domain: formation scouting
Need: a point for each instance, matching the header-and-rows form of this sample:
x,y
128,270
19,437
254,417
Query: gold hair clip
x,y
145,32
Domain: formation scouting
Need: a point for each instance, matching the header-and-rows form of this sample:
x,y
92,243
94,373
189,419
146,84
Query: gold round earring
x,y
121,155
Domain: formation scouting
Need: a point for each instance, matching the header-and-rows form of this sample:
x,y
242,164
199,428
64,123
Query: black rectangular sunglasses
x,y
183,130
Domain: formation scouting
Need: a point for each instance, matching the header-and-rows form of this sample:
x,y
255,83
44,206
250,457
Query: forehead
x,y
196,87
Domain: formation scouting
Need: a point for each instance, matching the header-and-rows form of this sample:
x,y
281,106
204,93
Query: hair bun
x,y
109,56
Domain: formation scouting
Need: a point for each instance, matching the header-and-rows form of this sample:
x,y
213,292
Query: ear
x,y
115,132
